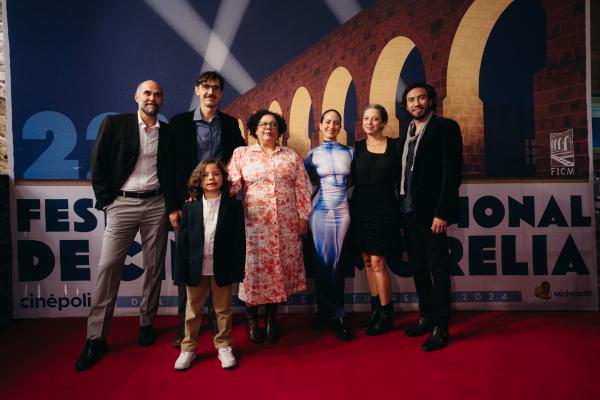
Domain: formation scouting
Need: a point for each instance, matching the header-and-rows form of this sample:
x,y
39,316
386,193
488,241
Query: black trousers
x,y
329,292
429,256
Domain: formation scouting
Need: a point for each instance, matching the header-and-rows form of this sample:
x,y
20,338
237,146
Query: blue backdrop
x,y
73,61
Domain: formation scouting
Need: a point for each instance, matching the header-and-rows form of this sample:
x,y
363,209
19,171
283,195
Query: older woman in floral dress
x,y
277,205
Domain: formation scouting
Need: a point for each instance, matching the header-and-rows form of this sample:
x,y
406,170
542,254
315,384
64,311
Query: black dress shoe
x,y
438,339
147,336
341,330
422,327
92,352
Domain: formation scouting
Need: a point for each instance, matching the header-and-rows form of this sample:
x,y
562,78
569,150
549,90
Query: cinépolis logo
x,y
61,302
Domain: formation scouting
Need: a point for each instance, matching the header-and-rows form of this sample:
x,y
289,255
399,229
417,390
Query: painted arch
x,y
385,79
334,96
299,135
462,101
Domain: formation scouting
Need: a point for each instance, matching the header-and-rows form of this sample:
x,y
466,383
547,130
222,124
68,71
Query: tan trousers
x,y
221,297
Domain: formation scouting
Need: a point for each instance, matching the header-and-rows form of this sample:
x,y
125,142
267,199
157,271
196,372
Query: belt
x,y
140,195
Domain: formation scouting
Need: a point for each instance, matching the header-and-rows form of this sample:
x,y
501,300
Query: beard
x,y
150,109
420,114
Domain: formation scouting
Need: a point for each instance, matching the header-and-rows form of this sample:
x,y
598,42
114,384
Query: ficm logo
x,y
562,153
543,291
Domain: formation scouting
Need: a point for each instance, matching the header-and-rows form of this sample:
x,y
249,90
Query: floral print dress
x,y
277,193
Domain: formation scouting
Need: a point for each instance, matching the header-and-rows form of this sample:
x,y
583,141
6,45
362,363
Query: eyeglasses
x,y
206,87
269,124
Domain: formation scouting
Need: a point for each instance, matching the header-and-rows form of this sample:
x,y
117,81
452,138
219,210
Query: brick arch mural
x,y
334,96
385,79
297,135
275,107
241,126
462,99
451,39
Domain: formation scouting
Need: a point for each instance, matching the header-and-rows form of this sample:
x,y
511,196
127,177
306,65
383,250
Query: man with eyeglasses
x,y
201,134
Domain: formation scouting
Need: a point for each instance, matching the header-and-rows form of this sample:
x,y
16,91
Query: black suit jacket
x,y
437,171
115,153
183,153
229,252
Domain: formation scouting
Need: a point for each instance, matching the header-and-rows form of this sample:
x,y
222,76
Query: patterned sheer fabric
x,y
276,194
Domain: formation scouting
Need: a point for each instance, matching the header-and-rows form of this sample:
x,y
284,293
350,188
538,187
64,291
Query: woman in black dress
x,y
374,209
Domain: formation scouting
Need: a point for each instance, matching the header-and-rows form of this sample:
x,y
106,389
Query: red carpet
x,y
492,355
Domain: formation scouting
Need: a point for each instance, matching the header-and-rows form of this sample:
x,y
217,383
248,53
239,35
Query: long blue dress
x,y
329,223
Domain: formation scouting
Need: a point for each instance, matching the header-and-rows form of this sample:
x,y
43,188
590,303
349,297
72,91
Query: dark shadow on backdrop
x,y
514,53
412,71
351,113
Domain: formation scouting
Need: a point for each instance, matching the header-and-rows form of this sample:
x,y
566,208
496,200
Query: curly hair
x,y
431,93
195,181
210,76
255,119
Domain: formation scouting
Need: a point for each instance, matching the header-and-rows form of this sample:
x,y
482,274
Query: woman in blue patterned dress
x,y
329,222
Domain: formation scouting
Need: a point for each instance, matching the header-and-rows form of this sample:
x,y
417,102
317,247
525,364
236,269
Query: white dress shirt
x,y
144,176
210,212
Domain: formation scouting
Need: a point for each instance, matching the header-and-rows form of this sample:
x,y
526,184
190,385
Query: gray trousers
x,y
124,217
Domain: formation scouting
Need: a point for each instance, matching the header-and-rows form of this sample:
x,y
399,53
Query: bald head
x,y
149,96
145,83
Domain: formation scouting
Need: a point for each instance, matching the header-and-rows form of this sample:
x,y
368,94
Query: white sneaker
x,y
226,357
185,360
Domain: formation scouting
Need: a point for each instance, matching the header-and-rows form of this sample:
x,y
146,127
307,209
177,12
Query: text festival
x,y
36,259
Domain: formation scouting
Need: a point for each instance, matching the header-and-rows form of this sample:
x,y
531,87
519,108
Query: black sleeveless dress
x,y
374,204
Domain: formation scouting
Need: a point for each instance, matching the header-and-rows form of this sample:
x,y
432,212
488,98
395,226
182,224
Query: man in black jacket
x,y
430,177
128,177
201,134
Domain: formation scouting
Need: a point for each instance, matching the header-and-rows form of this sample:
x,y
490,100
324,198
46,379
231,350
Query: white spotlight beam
x,y
184,20
226,25
228,20
344,9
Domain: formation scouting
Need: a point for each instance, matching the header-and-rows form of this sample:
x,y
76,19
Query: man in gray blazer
x,y
128,177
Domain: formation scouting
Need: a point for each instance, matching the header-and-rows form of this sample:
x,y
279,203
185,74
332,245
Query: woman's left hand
x,y
302,226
